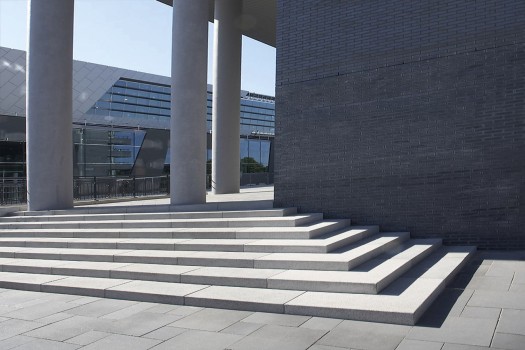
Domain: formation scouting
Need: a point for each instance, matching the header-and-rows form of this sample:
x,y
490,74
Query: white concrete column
x,y
226,97
188,101
49,101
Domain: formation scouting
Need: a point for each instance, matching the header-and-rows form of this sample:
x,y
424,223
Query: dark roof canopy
x,y
258,19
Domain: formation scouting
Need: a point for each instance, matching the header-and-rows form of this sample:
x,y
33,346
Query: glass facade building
x,y
111,149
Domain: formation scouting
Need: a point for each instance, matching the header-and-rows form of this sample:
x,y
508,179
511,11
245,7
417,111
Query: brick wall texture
x,y
407,114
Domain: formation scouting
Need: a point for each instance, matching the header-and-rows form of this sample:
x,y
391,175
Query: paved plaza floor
x,y
483,307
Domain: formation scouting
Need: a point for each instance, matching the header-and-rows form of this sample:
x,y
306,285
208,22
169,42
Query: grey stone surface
x,y
165,333
512,321
184,310
481,312
241,277
321,323
139,324
200,340
14,327
88,286
122,342
502,300
493,283
67,329
363,335
129,311
242,328
508,341
277,319
172,293
15,341
450,321
325,347
87,268
451,346
162,308
101,307
517,287
213,320
152,272
87,338
44,344
38,311
466,331
266,300
274,337
409,344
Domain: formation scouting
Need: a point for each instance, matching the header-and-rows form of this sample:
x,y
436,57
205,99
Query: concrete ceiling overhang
x,y
258,19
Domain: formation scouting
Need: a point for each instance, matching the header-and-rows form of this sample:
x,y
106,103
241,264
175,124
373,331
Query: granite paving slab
x,y
213,320
199,340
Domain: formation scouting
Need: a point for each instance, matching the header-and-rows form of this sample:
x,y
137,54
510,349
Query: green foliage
x,y
250,165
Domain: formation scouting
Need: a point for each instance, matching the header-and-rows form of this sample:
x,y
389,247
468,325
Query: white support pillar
x,y
49,105
188,106
226,97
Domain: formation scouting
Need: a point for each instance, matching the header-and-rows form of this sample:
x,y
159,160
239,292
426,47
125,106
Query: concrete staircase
x,y
271,260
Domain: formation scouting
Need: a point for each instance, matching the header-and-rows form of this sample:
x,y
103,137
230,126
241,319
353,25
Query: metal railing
x,y
97,187
14,189
248,179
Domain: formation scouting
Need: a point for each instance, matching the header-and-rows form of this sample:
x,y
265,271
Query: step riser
x,y
264,266
140,276
377,251
269,307
327,265
265,300
154,216
306,234
262,247
385,282
232,234
364,308
290,221
256,246
178,260
340,286
160,224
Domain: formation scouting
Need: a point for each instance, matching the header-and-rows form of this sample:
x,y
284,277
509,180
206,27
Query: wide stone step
x,y
229,205
403,302
152,216
299,232
323,244
286,221
343,260
366,282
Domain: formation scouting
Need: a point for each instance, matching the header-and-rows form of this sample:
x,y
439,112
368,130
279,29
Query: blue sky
x,y
134,34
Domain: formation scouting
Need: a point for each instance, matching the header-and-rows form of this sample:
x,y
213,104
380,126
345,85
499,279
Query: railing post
x,y
94,187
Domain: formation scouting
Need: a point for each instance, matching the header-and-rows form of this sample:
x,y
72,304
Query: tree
x,y
250,165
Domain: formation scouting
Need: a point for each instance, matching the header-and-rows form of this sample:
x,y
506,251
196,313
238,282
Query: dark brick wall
x,y
408,114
